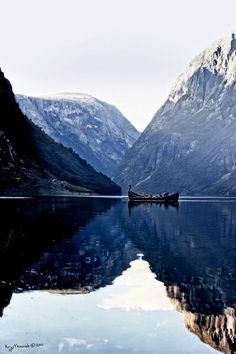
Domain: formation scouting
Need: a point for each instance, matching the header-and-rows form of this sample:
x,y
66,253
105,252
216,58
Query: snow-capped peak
x,y
96,130
217,59
70,96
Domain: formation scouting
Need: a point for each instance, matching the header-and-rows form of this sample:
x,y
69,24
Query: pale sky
x,y
125,52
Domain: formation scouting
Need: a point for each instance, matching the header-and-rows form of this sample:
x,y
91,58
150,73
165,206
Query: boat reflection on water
x,y
147,204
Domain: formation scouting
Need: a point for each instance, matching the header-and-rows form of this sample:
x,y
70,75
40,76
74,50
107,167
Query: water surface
x,y
71,280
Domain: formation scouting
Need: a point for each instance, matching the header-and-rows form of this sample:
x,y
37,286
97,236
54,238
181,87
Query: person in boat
x,y
163,195
146,195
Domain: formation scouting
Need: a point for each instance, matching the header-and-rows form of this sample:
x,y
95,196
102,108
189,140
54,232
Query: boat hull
x,y
171,198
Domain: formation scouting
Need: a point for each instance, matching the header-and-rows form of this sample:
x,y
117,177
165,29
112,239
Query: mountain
x,y
190,143
96,130
33,163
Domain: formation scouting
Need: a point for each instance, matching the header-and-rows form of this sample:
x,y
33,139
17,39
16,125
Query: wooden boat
x,y
161,198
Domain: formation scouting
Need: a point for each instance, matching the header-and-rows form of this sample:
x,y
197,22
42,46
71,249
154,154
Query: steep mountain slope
x,y
96,130
190,143
32,163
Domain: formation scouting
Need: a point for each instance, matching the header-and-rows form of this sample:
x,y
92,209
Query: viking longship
x,y
159,198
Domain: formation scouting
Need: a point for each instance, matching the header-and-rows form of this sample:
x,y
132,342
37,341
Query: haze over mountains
x,y
94,129
32,163
190,143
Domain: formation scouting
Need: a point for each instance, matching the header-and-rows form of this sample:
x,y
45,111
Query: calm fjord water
x,y
71,280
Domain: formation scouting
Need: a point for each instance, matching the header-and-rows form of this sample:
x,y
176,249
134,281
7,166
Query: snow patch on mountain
x,y
94,129
219,59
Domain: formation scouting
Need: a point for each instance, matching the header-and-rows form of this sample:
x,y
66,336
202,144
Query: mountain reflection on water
x,y
75,246
193,254
42,246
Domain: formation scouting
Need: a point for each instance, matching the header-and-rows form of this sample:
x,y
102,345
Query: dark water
x,y
71,280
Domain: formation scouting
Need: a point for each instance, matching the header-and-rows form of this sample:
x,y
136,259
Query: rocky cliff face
x,y
96,130
190,143
32,163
